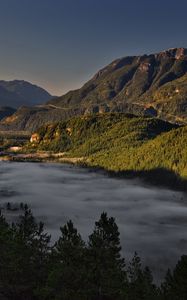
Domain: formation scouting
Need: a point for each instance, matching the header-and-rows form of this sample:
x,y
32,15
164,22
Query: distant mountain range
x,y
19,92
154,85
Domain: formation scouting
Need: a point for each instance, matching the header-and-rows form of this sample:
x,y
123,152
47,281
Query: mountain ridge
x,y
16,93
153,85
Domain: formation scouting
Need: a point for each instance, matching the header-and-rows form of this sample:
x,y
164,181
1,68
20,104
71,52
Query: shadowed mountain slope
x,y
19,92
154,85
6,112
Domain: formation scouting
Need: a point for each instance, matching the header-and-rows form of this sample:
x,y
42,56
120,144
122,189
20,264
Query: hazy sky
x,y
60,44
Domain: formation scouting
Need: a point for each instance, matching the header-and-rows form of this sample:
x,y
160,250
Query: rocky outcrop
x,y
35,138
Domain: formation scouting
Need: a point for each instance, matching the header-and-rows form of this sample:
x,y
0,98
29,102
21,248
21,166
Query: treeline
x,y
119,142
31,268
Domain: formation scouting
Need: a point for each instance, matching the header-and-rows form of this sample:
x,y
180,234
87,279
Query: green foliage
x,y
66,279
118,142
140,281
31,268
153,85
23,260
175,284
106,267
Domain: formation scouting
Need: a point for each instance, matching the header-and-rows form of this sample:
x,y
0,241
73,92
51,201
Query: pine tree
x,y
175,284
141,285
5,243
25,258
166,285
67,274
106,267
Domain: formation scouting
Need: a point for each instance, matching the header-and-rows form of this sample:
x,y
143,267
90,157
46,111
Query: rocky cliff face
x,y
154,84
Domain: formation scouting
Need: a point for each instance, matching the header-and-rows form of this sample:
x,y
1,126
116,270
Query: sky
x,y
60,44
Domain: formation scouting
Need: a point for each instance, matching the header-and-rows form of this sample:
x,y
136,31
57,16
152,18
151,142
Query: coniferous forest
x,y
93,134
32,268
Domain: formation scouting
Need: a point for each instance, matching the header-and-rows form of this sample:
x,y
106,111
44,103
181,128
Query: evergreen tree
x,y
141,285
26,256
31,269
175,285
5,244
165,289
106,267
67,275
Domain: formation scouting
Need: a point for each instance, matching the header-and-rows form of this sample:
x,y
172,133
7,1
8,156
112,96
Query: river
x,y
152,220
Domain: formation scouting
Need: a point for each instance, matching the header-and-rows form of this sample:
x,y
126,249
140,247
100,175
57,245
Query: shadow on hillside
x,y
159,177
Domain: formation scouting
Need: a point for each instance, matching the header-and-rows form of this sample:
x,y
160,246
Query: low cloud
x,y
152,221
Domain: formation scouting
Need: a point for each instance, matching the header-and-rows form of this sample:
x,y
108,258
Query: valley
x,y
121,145
93,150
118,144
151,220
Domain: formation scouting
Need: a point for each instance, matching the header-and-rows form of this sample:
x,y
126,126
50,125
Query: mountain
x,y
6,112
153,85
120,143
19,92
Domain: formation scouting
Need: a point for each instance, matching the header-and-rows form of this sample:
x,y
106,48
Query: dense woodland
x,y
32,268
121,143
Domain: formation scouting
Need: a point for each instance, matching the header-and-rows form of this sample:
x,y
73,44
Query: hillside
x,y
153,85
120,143
6,112
139,84
19,92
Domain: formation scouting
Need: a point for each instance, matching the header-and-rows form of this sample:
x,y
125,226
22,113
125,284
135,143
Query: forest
x,y
121,143
34,268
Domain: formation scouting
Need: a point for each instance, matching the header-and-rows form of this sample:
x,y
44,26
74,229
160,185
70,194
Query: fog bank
x,y
152,221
